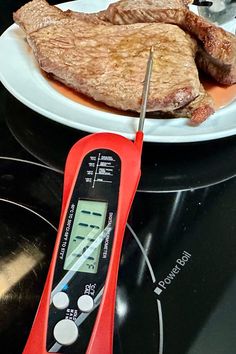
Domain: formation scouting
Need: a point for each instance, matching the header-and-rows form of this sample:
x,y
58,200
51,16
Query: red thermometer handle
x,y
101,340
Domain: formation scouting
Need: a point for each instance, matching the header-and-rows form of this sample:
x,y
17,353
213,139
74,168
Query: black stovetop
x,y
177,280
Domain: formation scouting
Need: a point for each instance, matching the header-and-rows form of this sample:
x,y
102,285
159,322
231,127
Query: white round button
x,y
61,300
66,332
85,303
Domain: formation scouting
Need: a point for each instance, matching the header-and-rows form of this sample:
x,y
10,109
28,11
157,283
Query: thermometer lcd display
x,y
84,246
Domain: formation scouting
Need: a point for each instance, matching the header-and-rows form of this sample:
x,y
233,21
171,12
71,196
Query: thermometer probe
x,y
101,177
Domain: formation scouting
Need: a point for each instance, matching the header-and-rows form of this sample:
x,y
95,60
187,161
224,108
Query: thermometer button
x,y
85,303
61,300
66,332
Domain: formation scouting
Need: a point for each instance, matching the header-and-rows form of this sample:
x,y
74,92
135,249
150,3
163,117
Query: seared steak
x,y
218,43
108,63
198,110
37,14
134,11
225,74
217,51
95,18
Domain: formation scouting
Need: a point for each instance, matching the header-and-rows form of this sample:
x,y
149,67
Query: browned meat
x,y
108,63
225,74
217,52
134,11
37,14
72,52
95,18
218,43
199,109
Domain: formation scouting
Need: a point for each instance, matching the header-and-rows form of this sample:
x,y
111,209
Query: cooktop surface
x,y
177,279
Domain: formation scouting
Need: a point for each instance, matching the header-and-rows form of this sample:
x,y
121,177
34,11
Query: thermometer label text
x,y
67,231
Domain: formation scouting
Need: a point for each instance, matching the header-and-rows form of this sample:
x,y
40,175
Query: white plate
x,y
20,74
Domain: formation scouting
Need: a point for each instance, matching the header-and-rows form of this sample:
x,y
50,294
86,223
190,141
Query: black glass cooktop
x,y
177,280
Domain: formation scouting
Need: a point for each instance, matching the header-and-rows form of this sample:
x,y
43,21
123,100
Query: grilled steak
x,y
219,44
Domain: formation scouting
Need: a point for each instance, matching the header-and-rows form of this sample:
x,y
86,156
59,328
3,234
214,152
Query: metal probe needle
x,y
146,87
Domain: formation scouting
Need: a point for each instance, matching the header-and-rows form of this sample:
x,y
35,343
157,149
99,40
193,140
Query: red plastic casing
x,y
101,340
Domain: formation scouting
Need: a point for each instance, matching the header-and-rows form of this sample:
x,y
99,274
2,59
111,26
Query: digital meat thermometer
x,y
76,311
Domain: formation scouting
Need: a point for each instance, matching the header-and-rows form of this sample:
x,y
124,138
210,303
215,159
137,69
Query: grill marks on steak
x,y
108,63
219,45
